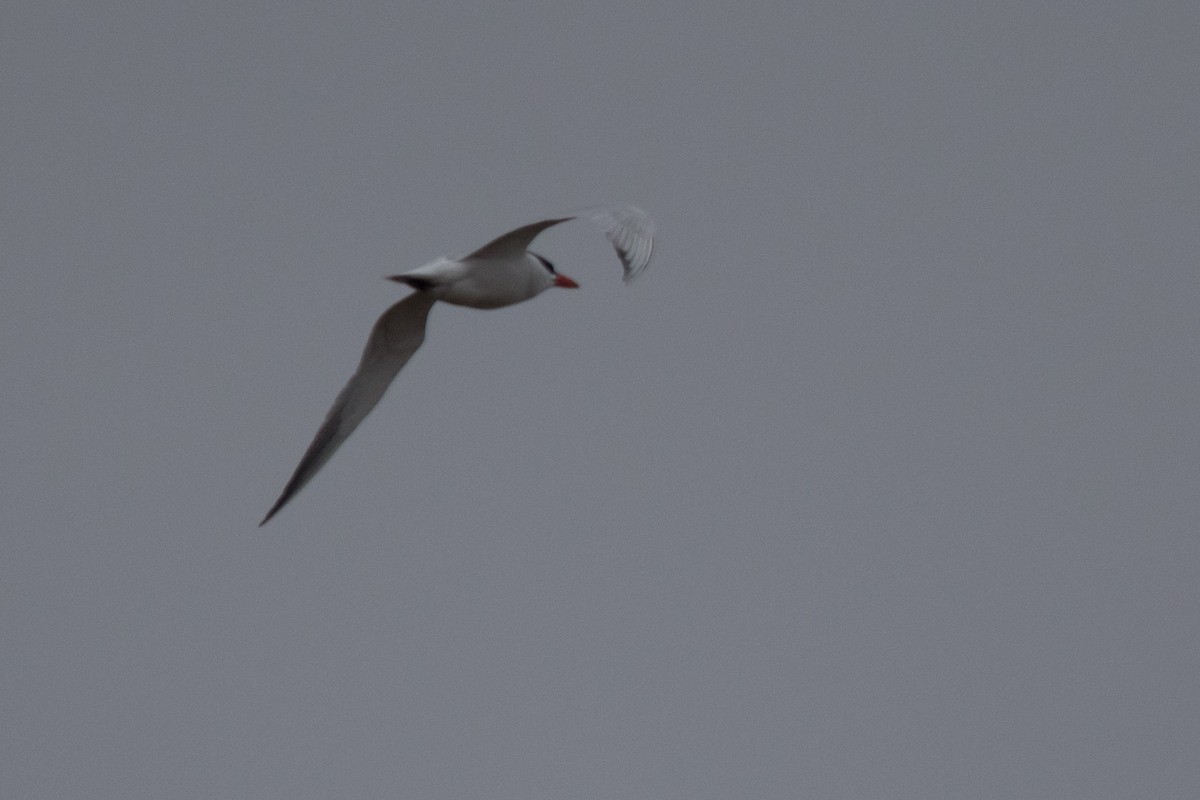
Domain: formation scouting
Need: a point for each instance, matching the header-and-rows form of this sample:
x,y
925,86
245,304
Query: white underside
x,y
491,283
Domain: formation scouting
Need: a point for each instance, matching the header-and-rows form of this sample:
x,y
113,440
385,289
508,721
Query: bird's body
x,y
479,284
501,273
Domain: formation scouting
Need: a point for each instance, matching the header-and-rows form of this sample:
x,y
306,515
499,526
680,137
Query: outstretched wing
x,y
396,336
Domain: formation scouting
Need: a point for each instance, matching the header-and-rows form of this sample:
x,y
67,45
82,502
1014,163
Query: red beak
x,y
562,281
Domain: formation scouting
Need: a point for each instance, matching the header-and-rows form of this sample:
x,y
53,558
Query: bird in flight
x,y
502,272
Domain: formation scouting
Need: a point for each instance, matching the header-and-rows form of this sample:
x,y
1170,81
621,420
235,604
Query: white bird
x,y
500,273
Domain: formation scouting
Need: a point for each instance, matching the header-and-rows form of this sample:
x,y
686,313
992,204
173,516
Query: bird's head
x,y
561,281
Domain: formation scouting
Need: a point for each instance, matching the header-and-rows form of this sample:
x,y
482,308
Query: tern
x,y
501,273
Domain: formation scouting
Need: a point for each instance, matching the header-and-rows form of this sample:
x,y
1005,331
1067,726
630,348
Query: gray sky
x,y
881,483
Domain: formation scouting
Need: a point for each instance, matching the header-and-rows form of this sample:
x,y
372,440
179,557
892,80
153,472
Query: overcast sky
x,y
882,482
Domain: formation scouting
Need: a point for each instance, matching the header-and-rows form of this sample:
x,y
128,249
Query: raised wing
x,y
396,336
628,228
514,243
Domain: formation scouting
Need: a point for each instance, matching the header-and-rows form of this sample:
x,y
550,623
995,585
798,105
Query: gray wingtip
x,y
279,504
270,514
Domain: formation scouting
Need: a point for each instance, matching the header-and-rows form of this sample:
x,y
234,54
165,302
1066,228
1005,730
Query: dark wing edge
x,y
397,334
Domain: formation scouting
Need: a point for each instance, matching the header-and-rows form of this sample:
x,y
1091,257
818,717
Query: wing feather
x,y
515,242
631,232
629,229
395,337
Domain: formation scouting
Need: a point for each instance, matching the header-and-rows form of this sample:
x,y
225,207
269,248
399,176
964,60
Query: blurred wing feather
x,y
631,232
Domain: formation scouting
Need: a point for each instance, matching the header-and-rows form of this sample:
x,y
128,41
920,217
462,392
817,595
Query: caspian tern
x,y
502,272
